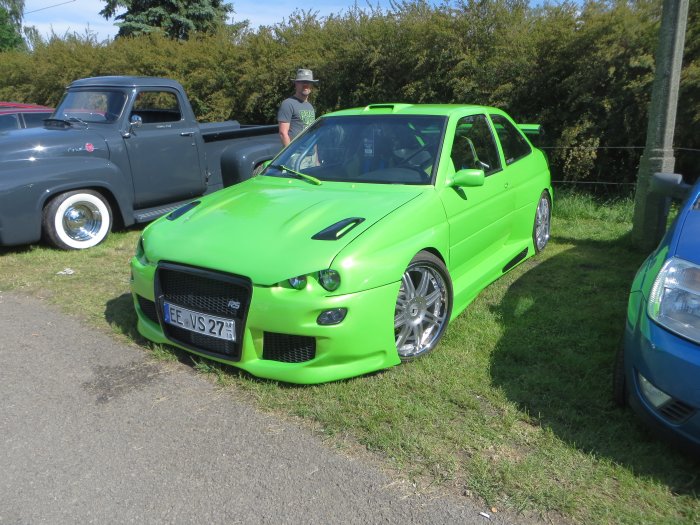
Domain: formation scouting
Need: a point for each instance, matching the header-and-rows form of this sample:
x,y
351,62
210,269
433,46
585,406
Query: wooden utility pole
x,y
650,210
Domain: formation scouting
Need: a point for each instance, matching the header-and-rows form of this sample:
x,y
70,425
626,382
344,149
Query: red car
x,y
14,115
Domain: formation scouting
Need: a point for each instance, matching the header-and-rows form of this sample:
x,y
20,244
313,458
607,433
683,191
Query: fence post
x,y
649,215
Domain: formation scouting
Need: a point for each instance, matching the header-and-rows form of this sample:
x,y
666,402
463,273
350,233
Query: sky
x,y
80,16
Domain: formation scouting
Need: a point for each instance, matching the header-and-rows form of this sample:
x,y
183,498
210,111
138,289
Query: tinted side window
x,y
33,120
474,146
512,141
157,106
8,122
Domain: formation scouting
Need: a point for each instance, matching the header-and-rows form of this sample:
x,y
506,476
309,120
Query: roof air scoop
x,y
337,230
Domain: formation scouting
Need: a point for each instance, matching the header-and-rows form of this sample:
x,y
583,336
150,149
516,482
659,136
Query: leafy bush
x,y
584,72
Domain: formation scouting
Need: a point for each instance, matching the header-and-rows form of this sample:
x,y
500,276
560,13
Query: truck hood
x,y
38,143
270,229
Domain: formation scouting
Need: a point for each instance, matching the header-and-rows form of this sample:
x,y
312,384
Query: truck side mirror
x,y
136,121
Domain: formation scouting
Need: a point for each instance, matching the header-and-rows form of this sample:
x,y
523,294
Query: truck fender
x,y
238,161
26,190
98,175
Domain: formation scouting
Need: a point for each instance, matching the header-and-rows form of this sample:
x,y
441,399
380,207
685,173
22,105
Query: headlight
x,y
674,302
298,283
329,279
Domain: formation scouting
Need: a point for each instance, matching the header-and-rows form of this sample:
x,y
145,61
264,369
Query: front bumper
x,y
363,342
672,364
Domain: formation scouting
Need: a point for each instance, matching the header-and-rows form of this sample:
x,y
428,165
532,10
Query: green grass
x,y
513,407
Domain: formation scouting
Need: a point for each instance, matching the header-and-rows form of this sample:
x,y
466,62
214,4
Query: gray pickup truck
x,y
117,151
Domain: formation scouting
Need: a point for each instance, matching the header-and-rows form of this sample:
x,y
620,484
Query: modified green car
x,y
353,249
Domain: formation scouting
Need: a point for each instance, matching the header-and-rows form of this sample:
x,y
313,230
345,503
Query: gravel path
x,y
93,431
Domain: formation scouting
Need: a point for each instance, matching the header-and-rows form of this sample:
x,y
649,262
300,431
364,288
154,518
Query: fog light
x,y
655,396
334,316
329,279
298,283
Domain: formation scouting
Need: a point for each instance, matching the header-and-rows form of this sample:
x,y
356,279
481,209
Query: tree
x,y
10,38
177,19
14,9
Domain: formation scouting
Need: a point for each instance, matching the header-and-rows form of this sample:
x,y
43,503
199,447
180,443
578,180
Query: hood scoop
x,y
337,230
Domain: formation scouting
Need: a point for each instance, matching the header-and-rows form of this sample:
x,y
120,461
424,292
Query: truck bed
x,y
215,131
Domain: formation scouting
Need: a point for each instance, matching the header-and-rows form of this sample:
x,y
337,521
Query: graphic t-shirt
x,y
299,115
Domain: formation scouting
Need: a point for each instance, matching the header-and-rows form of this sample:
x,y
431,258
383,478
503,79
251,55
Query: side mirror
x,y
468,178
135,121
669,185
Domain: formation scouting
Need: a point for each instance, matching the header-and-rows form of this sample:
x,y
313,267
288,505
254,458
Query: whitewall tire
x,y
77,220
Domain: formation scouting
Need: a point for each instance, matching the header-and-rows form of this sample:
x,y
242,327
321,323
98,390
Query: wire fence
x,y
687,164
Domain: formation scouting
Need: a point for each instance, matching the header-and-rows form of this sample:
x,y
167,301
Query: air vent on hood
x,y
182,210
337,230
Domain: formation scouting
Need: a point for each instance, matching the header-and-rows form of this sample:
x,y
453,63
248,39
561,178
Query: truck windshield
x,y
91,106
379,149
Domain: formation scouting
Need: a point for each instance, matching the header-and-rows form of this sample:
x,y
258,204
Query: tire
x,y
423,306
619,384
543,220
77,220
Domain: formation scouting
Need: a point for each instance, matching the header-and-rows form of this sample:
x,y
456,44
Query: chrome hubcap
x,y
421,310
82,221
542,223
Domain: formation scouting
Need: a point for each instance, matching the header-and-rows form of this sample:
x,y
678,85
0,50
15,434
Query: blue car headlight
x,y
674,302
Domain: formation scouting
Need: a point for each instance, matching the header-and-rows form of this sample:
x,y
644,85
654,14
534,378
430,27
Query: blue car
x,y
657,372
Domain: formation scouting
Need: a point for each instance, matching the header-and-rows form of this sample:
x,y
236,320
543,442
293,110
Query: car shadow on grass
x,y
564,319
121,316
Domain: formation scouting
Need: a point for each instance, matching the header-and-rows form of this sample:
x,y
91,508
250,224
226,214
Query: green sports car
x,y
354,247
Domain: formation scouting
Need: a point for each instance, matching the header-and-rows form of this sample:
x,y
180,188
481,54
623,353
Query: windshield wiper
x,y
303,176
66,120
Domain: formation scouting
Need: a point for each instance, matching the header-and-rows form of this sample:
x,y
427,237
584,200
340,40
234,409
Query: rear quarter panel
x,y
232,160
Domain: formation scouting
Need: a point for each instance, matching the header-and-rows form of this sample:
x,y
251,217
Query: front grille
x,y
209,292
148,308
288,348
677,411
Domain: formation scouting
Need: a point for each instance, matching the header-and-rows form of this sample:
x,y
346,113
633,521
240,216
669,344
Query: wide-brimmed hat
x,y
305,75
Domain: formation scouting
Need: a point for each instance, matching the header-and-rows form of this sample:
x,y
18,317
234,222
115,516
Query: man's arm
x,y
284,133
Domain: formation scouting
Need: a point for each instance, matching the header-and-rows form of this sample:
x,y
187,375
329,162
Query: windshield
x,y
92,106
380,149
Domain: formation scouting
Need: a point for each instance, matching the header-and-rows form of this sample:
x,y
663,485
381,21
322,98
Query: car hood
x,y
688,245
264,228
39,143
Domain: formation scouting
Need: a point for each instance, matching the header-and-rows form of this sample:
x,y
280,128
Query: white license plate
x,y
200,323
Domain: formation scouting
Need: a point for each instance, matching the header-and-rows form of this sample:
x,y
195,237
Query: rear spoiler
x,y
534,132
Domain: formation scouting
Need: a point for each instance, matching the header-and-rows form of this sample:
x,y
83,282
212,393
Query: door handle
x,y
187,133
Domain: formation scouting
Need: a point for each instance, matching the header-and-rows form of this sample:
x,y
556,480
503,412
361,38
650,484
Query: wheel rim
x,y
82,221
421,310
542,223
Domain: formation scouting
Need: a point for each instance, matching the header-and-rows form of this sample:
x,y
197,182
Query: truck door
x,y
163,151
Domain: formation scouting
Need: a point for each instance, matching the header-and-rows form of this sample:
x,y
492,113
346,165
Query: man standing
x,y
296,113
